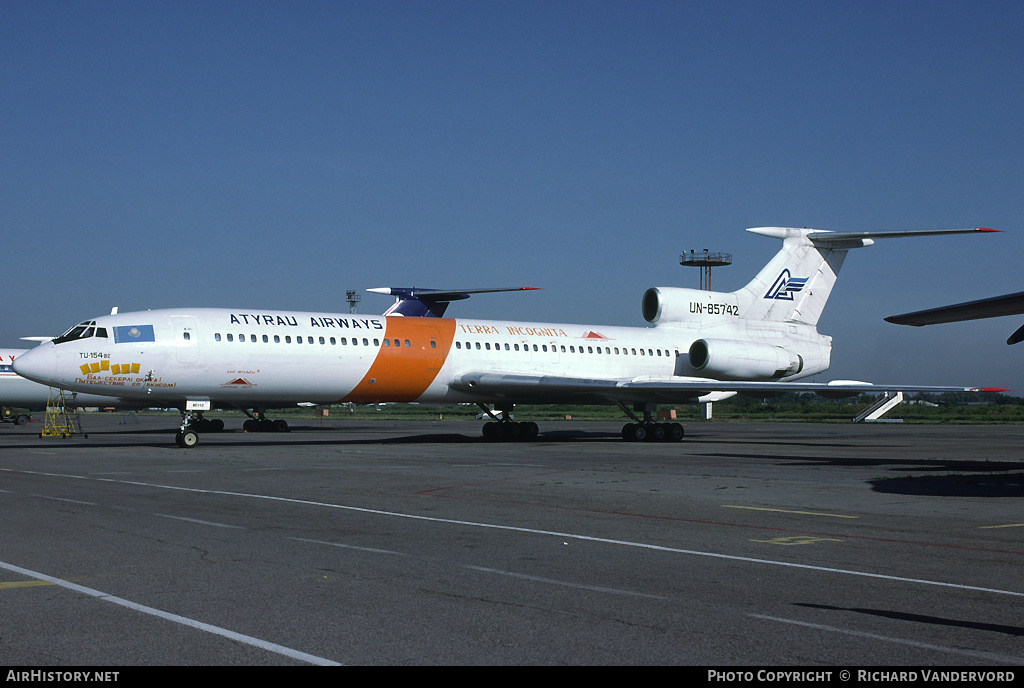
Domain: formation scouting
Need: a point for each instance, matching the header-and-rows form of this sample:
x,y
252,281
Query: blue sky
x,y
273,155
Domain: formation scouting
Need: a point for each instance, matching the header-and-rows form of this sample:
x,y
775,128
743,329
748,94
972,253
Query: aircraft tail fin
x,y
795,285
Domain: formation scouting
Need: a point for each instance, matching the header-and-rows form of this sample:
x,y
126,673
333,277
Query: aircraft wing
x,y
520,388
1010,304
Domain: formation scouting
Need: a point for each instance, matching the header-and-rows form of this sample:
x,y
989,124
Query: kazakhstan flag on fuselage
x,y
134,333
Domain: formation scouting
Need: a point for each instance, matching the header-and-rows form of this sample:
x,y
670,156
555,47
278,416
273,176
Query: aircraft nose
x,y
39,364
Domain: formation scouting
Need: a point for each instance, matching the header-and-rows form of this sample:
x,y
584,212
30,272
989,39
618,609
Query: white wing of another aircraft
x,y
997,306
698,346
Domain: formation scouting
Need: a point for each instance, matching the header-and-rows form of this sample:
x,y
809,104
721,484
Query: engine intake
x,y
726,359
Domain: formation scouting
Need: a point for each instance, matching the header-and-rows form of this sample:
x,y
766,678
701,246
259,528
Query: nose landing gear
x,y
193,423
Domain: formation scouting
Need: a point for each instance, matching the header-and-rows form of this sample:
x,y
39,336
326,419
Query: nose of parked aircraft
x,y
39,364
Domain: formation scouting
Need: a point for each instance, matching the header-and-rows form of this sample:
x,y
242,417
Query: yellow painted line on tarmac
x,y
11,585
798,540
23,584
787,511
1008,525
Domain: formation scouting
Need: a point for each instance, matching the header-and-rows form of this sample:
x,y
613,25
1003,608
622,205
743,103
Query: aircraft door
x,y
186,339
434,351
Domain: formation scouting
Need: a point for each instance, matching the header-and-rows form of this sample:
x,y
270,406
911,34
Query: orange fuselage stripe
x,y
403,371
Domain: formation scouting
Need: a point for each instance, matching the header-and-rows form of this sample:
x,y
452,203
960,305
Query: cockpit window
x,y
80,331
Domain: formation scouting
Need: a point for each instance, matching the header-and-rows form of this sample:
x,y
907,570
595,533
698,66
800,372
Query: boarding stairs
x,y
61,417
879,408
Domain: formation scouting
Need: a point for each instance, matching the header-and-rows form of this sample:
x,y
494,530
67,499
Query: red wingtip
x,y
991,389
987,229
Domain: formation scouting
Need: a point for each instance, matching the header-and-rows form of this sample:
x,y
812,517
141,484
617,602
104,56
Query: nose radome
x,y
37,364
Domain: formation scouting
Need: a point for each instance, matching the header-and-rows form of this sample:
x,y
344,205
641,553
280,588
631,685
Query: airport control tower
x,y
705,261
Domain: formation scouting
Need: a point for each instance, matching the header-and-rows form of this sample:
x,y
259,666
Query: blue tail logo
x,y
785,286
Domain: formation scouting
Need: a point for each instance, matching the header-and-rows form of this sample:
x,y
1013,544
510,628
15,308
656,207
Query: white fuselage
x,y
254,359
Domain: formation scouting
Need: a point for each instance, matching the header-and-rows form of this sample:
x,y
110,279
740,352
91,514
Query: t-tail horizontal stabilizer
x,y
414,302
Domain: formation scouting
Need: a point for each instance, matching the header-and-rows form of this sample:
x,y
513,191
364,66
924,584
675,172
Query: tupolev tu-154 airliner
x,y
703,346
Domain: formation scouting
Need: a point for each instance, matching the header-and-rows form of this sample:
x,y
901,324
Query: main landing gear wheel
x,y
507,431
652,432
201,424
265,425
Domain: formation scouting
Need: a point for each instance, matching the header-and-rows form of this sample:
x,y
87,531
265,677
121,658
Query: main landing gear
x,y
652,432
648,430
503,429
259,423
193,423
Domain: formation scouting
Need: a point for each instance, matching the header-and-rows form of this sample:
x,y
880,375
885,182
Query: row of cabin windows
x,y
572,349
344,341
333,341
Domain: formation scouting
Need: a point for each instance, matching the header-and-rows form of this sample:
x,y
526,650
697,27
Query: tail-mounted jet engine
x,y
726,359
676,304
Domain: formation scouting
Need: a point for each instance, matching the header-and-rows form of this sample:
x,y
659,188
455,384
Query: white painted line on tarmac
x,y
202,523
248,640
69,501
534,531
371,550
484,569
553,581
